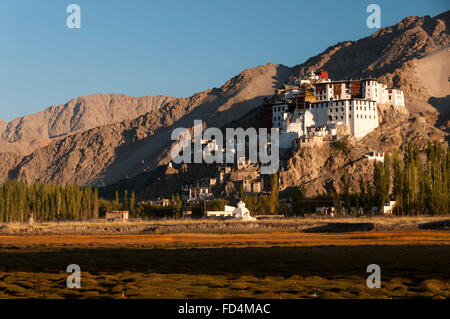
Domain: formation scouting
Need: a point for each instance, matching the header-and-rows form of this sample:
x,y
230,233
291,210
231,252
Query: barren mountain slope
x,y
113,152
392,54
2,125
396,55
433,73
25,134
320,168
7,162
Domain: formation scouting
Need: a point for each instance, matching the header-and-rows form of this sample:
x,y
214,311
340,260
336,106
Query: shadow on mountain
x,y
340,228
155,148
442,105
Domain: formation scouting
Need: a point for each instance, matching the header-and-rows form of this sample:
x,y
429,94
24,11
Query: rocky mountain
x,y
412,55
25,134
408,55
321,168
3,125
112,152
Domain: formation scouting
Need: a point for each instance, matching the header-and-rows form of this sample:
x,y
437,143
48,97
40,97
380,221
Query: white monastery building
x,y
318,106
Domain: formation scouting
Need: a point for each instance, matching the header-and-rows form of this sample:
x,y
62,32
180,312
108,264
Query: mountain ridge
x,y
121,150
78,114
131,142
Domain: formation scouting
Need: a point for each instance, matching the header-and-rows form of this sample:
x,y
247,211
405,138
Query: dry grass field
x,y
414,264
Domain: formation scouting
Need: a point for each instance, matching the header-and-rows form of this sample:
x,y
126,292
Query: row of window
x,y
337,118
358,108
278,108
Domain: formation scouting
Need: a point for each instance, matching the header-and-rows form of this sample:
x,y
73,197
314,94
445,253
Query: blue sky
x,y
177,48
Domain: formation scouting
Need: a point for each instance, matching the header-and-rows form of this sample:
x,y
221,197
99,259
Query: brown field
x,y
276,265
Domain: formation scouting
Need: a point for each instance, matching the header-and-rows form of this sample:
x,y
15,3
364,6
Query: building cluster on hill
x,y
313,108
308,112
243,174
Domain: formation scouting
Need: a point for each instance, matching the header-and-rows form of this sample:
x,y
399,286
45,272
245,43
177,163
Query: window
x,y
342,117
342,109
349,116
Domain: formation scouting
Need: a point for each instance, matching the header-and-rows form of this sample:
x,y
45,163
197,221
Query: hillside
x,y
113,152
25,134
403,55
396,55
319,168
3,125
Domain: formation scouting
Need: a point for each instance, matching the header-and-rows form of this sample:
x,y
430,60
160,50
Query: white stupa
x,y
242,212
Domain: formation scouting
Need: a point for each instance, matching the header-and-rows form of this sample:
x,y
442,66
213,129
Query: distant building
x,y
117,216
389,207
243,163
375,156
326,211
200,190
227,212
320,103
193,193
164,202
252,186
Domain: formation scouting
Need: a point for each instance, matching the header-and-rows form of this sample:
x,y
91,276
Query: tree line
x,y
46,202
418,184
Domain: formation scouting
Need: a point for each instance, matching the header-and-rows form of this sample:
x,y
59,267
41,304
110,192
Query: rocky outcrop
x,y
122,150
3,125
25,134
109,138
321,168
393,55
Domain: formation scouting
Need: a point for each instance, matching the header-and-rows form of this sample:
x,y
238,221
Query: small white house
x,y
389,207
227,212
375,156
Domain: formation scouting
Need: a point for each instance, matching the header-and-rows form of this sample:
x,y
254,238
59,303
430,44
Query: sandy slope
x,y
433,72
